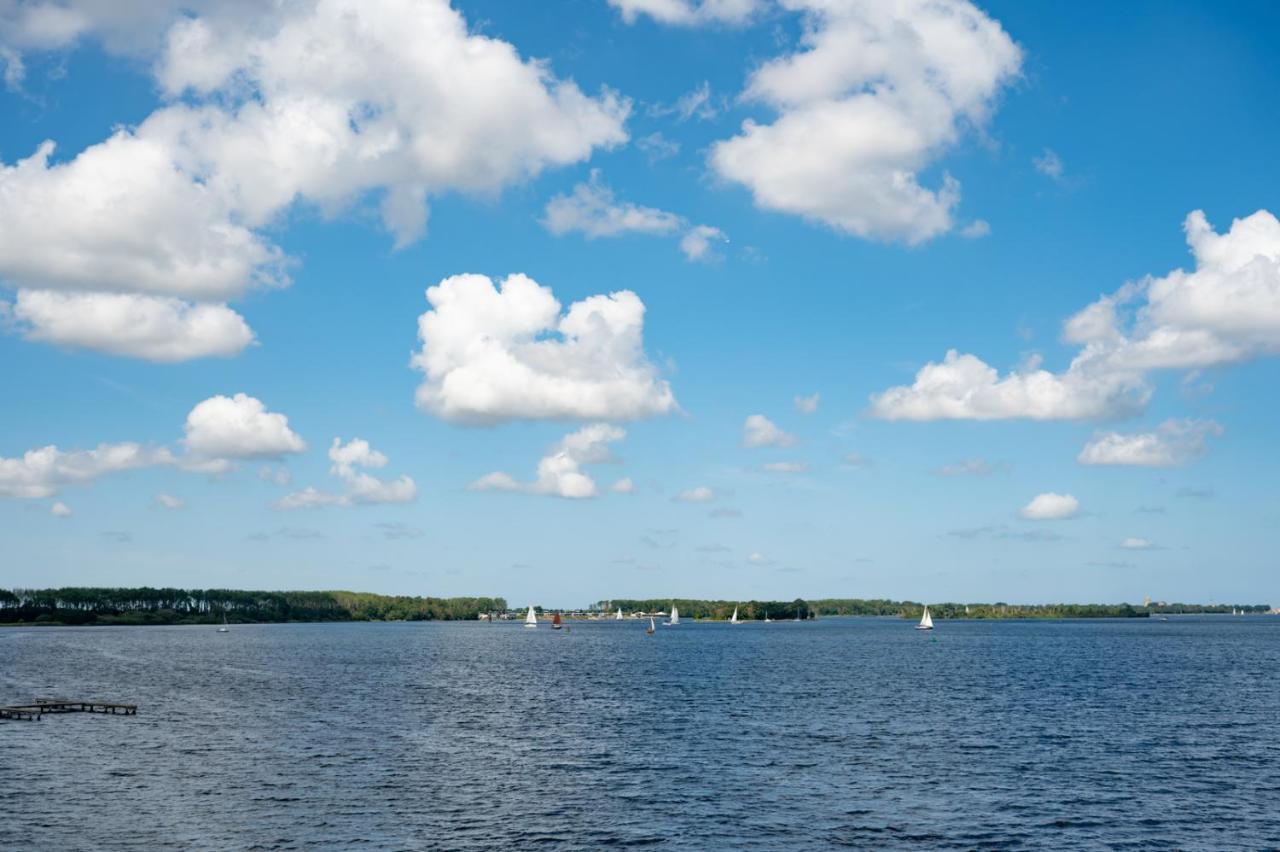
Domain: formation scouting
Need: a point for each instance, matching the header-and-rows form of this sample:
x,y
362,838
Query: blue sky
x,y
971,188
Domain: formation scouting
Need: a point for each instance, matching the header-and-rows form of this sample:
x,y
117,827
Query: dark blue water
x,y
845,732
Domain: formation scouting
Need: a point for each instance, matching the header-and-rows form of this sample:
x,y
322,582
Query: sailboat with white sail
x,y
531,620
674,620
618,617
733,619
225,628
651,628
926,621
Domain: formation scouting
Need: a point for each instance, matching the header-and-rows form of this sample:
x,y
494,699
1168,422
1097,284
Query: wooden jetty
x,y
34,712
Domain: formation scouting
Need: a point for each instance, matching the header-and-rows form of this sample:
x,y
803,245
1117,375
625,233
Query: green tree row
x,y
145,605
750,610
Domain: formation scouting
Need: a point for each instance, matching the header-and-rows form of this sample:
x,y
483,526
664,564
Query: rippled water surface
x,y
844,732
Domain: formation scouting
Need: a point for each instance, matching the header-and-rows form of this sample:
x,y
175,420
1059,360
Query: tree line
x,y
801,608
146,605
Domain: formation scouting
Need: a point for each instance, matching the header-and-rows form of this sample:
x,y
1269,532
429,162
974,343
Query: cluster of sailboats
x,y
531,619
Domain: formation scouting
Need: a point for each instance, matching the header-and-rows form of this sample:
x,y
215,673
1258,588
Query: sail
x,y
531,620
555,619
618,617
675,615
734,619
926,620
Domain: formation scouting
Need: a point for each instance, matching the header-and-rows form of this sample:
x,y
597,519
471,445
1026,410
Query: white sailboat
x,y
926,621
675,617
767,619
618,617
650,629
531,620
225,628
733,619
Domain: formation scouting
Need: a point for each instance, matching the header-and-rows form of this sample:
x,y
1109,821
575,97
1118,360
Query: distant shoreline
x,y
143,606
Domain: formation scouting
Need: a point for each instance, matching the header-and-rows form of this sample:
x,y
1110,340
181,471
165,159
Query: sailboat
x,y
618,617
926,621
225,628
733,619
555,622
650,629
797,613
675,617
767,619
531,620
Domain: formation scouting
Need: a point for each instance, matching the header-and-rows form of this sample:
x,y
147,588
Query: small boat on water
x,y
618,617
225,628
926,621
767,619
674,620
733,619
650,629
531,620
555,622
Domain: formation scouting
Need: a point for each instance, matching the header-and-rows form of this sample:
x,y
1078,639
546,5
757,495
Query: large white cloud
x,y
492,354
879,91
689,13
350,461
560,472
963,387
238,427
157,328
1224,311
1173,443
323,102
46,471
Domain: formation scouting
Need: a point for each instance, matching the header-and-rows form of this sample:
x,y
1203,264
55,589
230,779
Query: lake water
x,y
844,732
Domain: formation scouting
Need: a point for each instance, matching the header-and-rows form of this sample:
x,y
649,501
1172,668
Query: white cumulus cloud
x,y
697,242
238,427
493,354
1051,507
60,509
324,102
362,488
1225,311
155,328
593,210
760,431
45,471
1172,443
878,92
699,494
560,472
689,13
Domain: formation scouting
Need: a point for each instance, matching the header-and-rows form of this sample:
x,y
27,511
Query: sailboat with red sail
x,y
555,622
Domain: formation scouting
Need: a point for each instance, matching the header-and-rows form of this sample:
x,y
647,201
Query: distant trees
x,y
145,605
779,610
